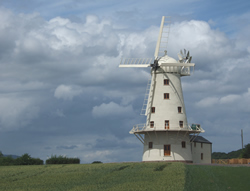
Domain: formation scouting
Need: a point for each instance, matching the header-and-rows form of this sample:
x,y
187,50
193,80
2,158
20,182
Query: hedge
x,y
62,160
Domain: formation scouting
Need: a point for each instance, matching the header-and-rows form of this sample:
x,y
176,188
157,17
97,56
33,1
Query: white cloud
x,y
112,109
16,112
208,102
230,99
67,92
139,44
236,102
205,44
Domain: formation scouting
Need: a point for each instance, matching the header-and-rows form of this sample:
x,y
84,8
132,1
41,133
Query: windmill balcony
x,y
182,70
138,128
185,71
194,128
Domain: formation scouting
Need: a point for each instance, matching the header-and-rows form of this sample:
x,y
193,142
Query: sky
x,y
62,91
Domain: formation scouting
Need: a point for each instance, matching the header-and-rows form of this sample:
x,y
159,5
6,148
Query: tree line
x,y
241,153
26,159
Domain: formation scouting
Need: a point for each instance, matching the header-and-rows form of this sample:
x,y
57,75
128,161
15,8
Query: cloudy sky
x,y
62,92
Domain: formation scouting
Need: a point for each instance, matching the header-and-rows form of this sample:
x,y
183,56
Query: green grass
x,y
201,177
124,176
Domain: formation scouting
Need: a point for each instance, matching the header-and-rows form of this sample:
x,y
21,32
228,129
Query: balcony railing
x,y
136,128
144,127
185,71
195,127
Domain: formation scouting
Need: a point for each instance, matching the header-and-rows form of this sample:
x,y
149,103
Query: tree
x,y
26,159
23,160
246,151
1,154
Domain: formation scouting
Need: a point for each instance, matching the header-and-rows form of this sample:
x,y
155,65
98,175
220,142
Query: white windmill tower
x,y
165,135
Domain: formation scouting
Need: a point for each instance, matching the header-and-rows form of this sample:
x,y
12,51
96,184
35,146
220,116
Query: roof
x,y
167,59
199,139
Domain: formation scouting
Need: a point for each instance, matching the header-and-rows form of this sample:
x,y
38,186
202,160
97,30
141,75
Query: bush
x,y
62,160
6,161
96,162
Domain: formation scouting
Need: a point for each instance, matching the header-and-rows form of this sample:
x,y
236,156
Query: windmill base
x,y
167,146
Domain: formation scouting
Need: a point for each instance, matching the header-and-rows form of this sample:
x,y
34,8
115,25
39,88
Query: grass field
x,y
124,176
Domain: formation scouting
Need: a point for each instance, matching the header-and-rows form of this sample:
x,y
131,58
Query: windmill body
x,y
167,128
166,133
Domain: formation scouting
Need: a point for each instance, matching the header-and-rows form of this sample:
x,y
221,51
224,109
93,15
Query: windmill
x,y
166,133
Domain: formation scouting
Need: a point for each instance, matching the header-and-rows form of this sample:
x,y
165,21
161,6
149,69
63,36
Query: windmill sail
x,y
162,41
145,102
136,62
151,97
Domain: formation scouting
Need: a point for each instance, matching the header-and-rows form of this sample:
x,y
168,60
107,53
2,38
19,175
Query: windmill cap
x,y
166,59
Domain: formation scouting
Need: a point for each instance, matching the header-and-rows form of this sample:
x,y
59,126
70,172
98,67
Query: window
x,y
201,145
166,95
201,156
194,144
183,144
166,124
179,109
167,150
181,124
152,124
166,82
150,145
152,109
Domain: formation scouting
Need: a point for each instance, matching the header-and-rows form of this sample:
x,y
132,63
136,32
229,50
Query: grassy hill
x,y
124,176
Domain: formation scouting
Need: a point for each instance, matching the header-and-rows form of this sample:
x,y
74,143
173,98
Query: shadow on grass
x,y
161,167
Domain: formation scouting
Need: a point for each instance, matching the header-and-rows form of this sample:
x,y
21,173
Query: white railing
x,y
139,127
195,127
143,127
185,70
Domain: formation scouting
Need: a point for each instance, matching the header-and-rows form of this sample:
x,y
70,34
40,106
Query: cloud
x,y
202,41
98,155
59,113
66,92
66,147
242,101
16,112
115,143
208,102
230,99
111,109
